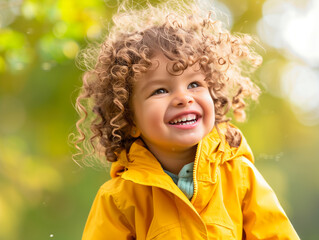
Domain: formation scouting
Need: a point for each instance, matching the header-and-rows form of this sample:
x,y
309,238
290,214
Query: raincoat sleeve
x,y
263,216
106,221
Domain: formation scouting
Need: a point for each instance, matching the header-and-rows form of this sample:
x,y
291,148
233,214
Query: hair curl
x,y
184,37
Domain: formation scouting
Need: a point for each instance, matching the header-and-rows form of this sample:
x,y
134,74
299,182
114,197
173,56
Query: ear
x,y
135,132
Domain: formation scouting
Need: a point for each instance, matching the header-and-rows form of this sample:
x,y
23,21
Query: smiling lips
x,y
187,119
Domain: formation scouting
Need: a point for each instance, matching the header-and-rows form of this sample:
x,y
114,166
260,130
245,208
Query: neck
x,y
174,160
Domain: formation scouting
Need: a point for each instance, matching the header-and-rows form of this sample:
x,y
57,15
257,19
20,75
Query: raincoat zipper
x,y
194,171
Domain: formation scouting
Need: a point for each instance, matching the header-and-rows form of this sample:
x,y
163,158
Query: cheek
x,y
209,109
212,109
208,103
148,116
153,114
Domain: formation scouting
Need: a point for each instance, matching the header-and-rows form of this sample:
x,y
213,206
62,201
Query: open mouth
x,y
188,119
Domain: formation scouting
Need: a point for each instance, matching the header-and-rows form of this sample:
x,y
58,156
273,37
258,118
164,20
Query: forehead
x,y
162,68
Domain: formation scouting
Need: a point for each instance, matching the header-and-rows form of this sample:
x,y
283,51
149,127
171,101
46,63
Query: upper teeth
x,y
188,117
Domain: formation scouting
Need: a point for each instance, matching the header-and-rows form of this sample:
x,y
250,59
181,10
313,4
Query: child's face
x,y
172,112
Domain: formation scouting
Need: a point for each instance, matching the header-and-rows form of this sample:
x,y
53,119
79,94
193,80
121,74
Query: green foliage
x,y
44,194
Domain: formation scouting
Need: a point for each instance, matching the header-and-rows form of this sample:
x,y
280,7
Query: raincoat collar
x,y
140,165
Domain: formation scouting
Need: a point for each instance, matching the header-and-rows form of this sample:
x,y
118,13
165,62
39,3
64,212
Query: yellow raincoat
x,y
231,199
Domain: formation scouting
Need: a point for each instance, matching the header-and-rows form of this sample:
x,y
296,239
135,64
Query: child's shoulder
x,y
118,187
115,186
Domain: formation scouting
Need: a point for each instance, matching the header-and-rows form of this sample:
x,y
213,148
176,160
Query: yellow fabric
x,y
231,199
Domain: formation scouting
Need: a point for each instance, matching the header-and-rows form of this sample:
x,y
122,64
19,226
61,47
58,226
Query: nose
x,y
182,99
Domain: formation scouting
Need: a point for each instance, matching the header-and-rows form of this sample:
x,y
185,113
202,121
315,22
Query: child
x,y
161,87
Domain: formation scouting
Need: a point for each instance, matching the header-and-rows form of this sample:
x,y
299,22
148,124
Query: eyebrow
x,y
162,80
153,81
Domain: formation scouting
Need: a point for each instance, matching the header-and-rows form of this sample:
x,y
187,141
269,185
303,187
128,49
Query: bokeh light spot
x,y
29,10
302,33
94,32
9,10
291,28
18,59
46,66
70,49
300,84
59,29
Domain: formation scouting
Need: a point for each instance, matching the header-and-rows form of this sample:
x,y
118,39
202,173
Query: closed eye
x,y
159,91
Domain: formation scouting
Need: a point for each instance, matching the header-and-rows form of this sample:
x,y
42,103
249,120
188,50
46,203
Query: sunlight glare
x,y
300,84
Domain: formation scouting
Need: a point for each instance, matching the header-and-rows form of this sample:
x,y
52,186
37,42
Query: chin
x,y
188,144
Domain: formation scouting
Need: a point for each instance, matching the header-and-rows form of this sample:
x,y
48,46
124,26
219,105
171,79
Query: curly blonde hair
x,y
184,37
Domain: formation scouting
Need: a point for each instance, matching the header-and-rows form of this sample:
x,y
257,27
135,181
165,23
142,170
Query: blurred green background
x,y
45,195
